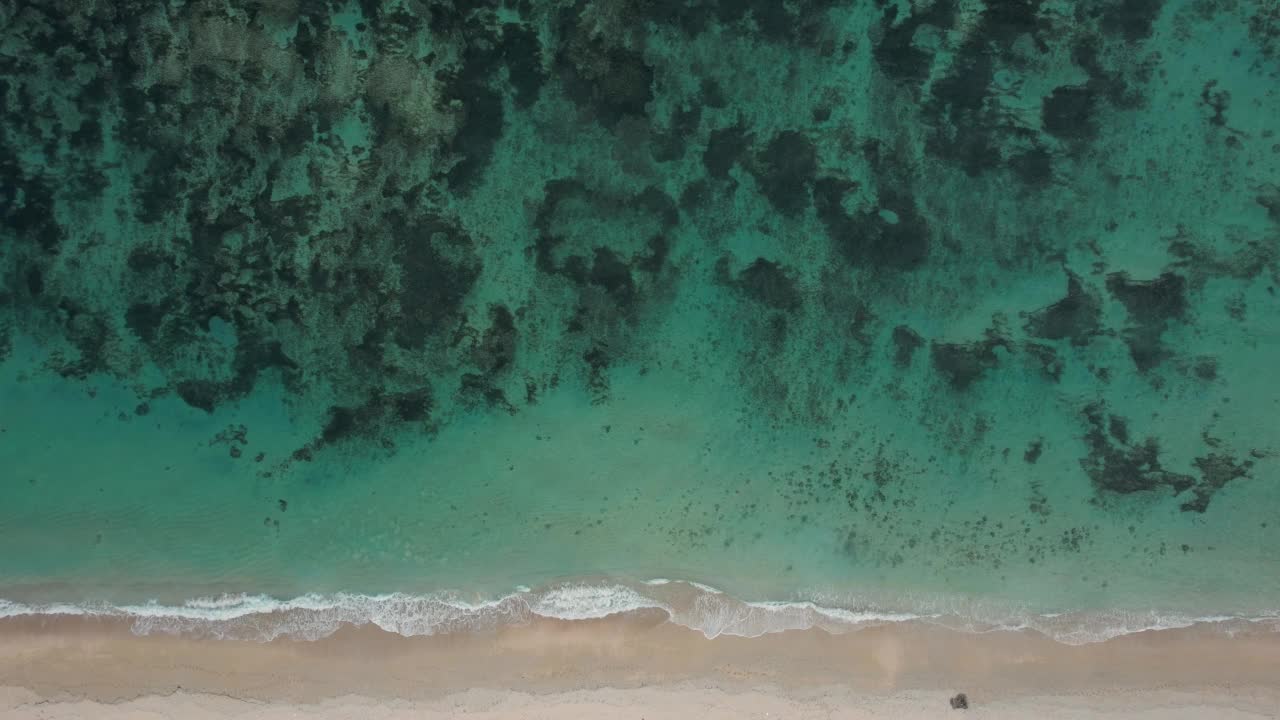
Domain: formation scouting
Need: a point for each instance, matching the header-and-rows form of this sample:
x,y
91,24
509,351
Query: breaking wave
x,y
693,605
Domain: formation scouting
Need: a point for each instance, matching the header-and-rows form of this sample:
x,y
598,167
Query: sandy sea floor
x,y
633,666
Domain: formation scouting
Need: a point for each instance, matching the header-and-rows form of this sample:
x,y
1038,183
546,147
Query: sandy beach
x,y
637,666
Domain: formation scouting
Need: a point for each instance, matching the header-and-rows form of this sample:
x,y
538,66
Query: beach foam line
x,y
699,607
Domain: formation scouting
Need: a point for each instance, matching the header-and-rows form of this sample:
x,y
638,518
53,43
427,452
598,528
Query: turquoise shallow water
x,y
940,309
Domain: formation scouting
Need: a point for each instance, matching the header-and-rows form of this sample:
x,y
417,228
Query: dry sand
x,y
635,667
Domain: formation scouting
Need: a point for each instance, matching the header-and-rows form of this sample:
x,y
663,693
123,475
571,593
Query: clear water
x,y
953,310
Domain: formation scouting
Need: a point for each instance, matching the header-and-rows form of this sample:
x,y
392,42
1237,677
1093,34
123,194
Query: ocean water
x,y
765,316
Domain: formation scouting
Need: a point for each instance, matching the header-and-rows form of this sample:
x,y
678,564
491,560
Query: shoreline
x,y
556,668
688,604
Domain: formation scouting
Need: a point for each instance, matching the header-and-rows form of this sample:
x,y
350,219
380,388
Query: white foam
x,y
589,602
707,610
704,588
720,614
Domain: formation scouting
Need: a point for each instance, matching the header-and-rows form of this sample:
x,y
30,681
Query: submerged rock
x,y
1076,317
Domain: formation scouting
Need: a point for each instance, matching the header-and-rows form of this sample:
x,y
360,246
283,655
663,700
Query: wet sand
x,y
637,666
